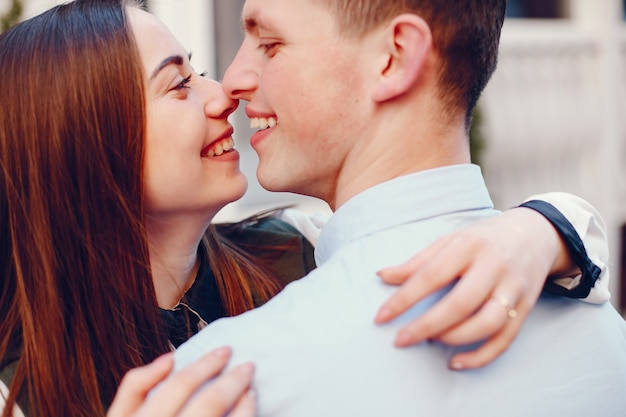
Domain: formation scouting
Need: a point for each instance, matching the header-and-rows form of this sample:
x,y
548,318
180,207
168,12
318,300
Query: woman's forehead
x,y
154,40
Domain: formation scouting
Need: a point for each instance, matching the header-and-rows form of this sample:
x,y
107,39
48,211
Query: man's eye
x,y
270,48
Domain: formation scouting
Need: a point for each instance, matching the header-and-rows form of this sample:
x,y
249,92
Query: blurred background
x,y
552,118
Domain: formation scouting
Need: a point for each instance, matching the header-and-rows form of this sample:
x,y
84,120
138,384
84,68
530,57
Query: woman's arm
x,y
502,264
505,263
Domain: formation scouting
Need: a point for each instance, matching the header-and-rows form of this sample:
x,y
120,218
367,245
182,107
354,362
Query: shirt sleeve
x,y
310,225
581,227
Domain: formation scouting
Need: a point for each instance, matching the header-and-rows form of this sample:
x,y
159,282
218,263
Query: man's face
x,y
305,94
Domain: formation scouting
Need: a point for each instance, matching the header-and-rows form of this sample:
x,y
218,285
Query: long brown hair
x,y
245,272
76,301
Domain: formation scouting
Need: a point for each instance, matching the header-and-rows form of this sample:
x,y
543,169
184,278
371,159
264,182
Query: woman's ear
x,y
408,40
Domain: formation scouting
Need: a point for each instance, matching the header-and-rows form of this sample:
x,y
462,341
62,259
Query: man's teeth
x,y
262,122
221,147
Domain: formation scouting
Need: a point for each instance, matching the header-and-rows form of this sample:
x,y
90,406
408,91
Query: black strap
x,y
575,246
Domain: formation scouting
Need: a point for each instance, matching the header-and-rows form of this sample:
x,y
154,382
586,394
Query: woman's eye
x,y
183,84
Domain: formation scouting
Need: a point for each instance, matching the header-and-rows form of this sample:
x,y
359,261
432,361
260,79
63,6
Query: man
x,y
367,105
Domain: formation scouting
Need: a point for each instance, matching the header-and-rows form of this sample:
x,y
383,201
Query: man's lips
x,y
263,122
260,119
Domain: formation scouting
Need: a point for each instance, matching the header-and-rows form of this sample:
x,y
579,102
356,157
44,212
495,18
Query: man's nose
x,y
241,77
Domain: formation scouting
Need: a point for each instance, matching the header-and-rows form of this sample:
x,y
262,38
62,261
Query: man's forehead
x,y
255,15
267,14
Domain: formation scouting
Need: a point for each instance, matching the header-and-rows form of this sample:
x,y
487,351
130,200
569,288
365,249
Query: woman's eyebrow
x,y
170,60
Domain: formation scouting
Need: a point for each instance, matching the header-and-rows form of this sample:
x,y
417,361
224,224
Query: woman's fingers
x,y
398,274
169,398
458,306
490,350
498,270
246,406
194,390
137,383
430,270
486,322
227,395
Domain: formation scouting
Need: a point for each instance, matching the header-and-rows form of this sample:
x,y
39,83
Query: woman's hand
x,y
186,393
501,265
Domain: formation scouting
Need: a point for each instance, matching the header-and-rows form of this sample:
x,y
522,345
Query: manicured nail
x,y
223,351
246,368
382,272
457,366
384,313
403,338
166,357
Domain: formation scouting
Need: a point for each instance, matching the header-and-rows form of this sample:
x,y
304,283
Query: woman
x,y
115,157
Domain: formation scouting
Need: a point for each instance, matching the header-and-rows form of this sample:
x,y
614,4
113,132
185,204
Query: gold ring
x,y
504,302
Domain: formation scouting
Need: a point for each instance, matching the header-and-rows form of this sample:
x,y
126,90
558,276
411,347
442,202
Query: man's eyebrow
x,y
249,24
252,23
170,60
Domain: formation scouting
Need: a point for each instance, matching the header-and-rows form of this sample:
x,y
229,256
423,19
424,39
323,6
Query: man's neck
x,y
398,152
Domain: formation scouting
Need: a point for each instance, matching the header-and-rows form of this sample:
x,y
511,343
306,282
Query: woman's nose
x,y
218,105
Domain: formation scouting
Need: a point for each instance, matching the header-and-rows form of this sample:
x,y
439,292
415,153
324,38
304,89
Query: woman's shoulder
x,y
282,247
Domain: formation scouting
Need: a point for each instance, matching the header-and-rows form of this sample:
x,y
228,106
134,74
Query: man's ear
x,y
408,40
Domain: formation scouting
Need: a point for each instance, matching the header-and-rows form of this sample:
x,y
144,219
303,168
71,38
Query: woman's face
x,y
190,167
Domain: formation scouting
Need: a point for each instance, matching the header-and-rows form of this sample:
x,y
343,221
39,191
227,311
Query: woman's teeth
x,y
220,147
262,122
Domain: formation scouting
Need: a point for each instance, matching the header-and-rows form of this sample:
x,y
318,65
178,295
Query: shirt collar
x,y
405,199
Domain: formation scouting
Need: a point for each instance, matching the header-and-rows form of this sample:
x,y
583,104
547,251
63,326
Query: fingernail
x,y
166,357
457,366
246,368
384,313
223,351
403,339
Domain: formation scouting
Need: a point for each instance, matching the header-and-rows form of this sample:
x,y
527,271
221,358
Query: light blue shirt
x,y
319,354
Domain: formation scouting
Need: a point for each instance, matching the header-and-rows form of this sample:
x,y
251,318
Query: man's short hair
x,y
466,35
